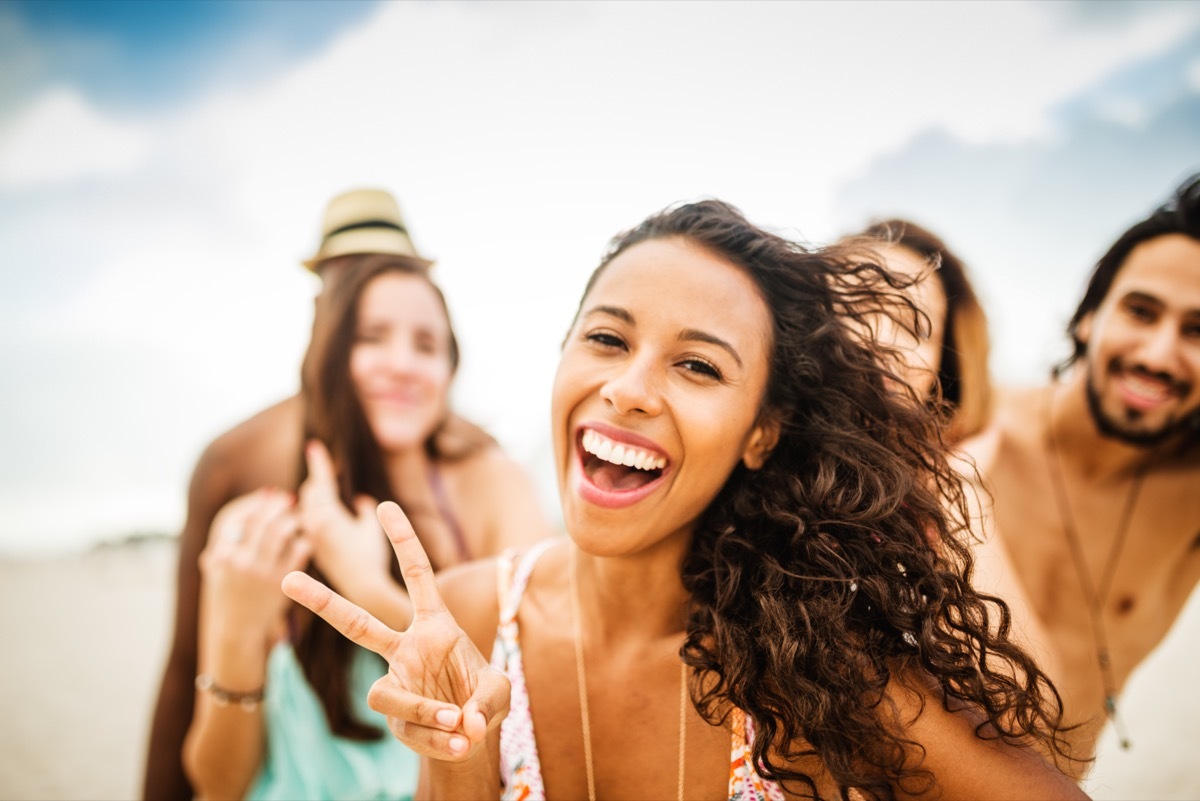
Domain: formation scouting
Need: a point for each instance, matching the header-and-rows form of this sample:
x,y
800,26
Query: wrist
x,y
473,778
247,700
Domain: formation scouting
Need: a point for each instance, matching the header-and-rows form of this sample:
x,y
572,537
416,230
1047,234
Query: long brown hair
x,y
842,564
964,385
334,415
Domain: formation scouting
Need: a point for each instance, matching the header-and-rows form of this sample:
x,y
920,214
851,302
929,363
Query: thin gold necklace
x,y
581,673
1094,595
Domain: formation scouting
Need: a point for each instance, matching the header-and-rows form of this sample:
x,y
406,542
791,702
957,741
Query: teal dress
x,y
305,760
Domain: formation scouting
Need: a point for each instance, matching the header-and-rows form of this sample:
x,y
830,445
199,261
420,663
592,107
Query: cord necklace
x,y
1095,595
581,674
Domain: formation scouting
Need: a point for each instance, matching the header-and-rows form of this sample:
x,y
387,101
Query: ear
x,y
762,440
1083,331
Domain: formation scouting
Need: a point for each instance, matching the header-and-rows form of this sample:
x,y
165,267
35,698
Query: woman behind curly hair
x,y
949,345
762,594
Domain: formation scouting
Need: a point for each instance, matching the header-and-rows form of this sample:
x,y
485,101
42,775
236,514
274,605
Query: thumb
x,y
321,472
487,706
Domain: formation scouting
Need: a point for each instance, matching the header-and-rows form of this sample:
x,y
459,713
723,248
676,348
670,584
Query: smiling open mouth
x,y
614,467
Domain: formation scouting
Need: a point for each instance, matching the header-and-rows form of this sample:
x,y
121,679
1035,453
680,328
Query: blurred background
x,y
164,167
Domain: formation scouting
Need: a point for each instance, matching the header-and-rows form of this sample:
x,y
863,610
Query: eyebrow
x,y
686,335
1142,297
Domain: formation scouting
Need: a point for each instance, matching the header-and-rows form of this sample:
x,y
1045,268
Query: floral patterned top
x,y
520,769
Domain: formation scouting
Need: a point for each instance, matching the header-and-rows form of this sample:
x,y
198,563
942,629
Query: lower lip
x,y
393,400
608,499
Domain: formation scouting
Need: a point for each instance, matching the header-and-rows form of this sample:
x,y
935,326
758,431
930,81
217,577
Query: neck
x,y
632,598
1078,439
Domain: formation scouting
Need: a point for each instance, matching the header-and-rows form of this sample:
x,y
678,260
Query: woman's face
x,y
400,361
657,394
922,350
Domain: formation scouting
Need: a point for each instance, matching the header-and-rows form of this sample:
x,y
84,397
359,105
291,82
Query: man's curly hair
x,y
842,565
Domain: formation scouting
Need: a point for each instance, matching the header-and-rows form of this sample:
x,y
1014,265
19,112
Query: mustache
x,y
1176,386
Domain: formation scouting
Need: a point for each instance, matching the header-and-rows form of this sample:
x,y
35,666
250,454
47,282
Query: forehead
x,y
1166,268
676,282
928,292
392,293
900,259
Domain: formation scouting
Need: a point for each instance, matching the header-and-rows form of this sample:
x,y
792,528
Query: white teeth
x,y
1147,389
603,448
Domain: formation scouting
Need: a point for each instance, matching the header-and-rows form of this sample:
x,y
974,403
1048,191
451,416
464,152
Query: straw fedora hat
x,y
363,221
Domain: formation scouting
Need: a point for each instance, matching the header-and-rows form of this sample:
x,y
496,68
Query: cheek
x,y
359,366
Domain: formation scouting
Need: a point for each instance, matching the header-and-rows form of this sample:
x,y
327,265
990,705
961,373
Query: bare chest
x,y
636,719
1122,555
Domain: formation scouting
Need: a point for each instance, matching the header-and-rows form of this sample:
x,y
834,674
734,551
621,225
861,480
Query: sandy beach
x,y
85,637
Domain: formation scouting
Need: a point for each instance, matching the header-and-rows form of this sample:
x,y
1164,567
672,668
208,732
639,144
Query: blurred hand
x,y
349,547
440,695
252,545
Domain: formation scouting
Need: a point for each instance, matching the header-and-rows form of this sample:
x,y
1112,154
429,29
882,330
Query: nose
x,y
400,356
634,388
1160,350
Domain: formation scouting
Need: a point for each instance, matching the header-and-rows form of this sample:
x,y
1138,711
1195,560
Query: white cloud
x,y
61,138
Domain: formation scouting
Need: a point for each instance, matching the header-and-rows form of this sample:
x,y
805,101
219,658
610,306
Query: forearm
x,y
224,746
164,778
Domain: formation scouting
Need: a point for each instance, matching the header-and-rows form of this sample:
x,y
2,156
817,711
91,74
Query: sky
x,y
164,167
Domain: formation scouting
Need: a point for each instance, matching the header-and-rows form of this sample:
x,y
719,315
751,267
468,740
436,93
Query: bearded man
x,y
1091,511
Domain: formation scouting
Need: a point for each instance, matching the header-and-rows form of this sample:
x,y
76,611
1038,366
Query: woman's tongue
x,y
615,478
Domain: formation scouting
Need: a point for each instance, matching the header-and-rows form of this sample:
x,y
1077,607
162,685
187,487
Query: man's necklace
x,y
1094,595
581,674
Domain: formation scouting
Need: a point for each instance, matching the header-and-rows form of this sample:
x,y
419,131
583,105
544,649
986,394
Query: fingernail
x,y
446,717
458,744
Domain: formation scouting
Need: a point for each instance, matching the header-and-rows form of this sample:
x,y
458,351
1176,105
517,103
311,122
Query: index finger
x,y
355,623
414,564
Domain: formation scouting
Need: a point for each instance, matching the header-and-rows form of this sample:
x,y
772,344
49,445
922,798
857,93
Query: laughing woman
x,y
748,605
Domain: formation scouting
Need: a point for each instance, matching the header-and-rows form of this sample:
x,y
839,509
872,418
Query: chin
x,y
402,439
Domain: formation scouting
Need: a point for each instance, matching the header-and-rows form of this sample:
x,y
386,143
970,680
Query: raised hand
x,y
348,546
251,546
440,695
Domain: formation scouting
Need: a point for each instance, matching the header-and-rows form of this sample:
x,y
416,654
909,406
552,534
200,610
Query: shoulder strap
x,y
513,571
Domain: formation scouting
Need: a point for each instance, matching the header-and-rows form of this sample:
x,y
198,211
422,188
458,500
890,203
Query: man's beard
x,y
1188,425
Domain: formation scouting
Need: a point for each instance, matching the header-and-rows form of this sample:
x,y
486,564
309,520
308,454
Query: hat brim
x,y
366,240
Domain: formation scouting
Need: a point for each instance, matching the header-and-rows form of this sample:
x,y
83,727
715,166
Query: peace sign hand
x,y
440,695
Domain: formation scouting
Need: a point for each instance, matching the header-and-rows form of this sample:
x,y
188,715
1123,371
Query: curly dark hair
x,y
842,565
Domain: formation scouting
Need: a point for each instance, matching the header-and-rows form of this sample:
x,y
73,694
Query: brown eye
x,y
605,339
701,367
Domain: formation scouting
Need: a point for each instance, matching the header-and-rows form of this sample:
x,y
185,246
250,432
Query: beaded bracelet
x,y
222,697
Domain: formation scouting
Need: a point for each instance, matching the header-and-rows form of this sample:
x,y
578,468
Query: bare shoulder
x,y
1012,428
471,592
498,500
965,760
262,450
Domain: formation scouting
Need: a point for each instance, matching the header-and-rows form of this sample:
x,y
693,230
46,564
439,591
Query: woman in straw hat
x,y
750,604
278,710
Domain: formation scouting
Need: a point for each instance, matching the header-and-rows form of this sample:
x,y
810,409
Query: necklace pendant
x,y
1110,706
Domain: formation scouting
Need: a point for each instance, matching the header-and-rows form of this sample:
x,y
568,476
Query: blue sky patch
x,y
146,53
